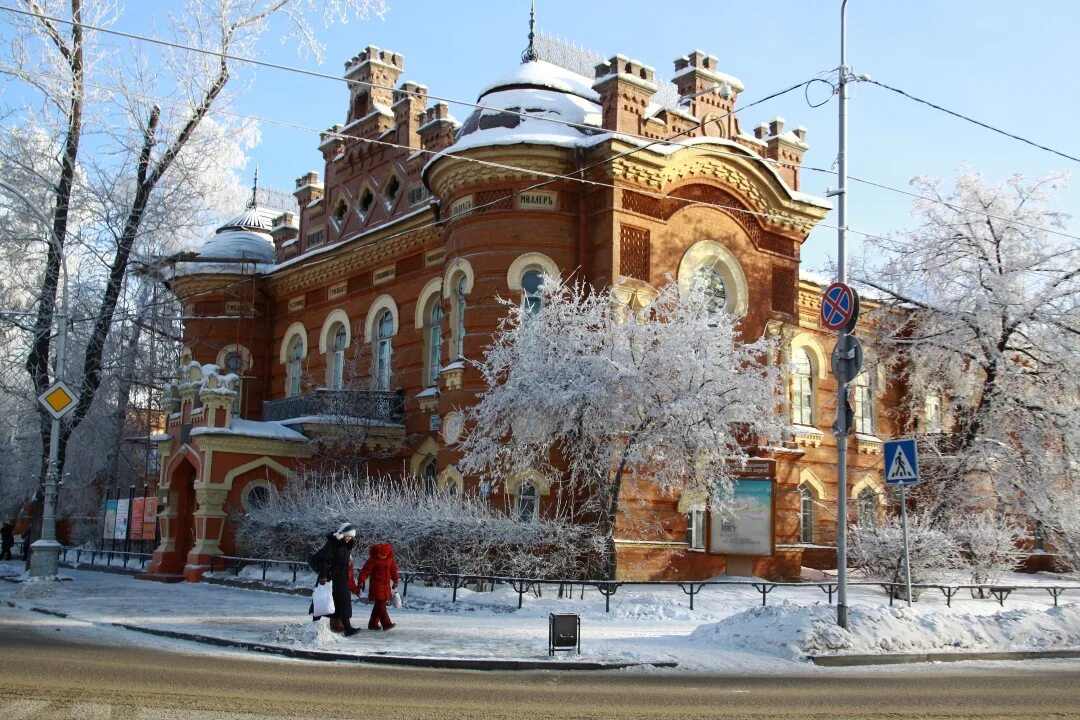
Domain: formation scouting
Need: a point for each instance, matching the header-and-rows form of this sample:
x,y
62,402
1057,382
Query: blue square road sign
x,y
901,462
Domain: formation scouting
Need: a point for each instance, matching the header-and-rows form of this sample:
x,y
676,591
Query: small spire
x,y
254,190
530,52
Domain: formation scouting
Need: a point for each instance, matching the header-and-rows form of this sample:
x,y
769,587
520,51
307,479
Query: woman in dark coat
x,y
332,562
382,569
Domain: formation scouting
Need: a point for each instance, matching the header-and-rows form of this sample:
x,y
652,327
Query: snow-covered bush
x,y
988,545
878,550
432,531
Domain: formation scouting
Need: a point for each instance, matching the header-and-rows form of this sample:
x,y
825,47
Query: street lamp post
x,y
45,557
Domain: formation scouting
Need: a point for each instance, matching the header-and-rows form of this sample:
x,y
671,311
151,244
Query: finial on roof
x,y
530,52
254,189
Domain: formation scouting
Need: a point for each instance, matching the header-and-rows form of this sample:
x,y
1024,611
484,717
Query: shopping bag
x,y
322,600
397,599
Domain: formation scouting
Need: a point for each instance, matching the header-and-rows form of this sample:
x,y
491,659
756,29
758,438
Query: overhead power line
x,y
971,120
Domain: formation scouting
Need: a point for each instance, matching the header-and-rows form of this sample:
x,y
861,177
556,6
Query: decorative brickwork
x,y
783,289
634,252
499,199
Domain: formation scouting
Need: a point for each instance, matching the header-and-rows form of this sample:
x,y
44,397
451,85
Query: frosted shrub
x,y
988,545
879,552
433,532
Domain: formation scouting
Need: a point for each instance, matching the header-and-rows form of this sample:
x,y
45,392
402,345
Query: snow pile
x,y
307,634
792,632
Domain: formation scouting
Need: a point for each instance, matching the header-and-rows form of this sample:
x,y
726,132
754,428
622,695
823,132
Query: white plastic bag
x,y
322,600
396,599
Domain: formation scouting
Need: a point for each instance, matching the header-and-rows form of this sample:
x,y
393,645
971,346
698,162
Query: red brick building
x,y
350,325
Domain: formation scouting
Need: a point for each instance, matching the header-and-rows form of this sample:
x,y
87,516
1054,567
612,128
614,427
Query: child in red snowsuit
x,y
383,571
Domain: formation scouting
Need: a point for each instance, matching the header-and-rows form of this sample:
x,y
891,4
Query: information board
x,y
749,530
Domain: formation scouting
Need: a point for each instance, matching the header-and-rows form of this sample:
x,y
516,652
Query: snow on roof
x,y
536,116
239,245
253,428
714,75
541,74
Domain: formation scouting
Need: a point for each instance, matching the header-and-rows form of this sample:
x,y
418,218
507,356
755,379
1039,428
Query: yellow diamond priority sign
x,y
58,399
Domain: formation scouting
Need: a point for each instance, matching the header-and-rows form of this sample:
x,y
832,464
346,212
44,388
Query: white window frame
x,y
863,404
295,369
528,493
531,298
802,389
807,514
384,327
434,341
695,528
339,336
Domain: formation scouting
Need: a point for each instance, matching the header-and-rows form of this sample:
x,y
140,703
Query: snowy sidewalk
x,y
728,631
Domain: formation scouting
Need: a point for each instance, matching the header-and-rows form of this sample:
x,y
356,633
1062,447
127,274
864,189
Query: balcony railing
x,y
380,406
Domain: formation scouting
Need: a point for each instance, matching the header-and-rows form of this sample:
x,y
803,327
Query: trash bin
x,y
564,632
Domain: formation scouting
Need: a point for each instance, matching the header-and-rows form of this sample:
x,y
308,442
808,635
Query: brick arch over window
x,y
813,348
383,302
709,253
297,328
869,482
529,261
335,316
808,478
433,287
534,478
458,267
451,477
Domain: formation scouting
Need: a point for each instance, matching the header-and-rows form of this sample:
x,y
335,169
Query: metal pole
x,y
903,522
45,555
841,384
131,507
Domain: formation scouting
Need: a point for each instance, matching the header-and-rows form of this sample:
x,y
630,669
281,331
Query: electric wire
x,y
651,141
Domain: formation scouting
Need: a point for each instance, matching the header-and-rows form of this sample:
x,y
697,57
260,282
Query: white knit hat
x,y
346,530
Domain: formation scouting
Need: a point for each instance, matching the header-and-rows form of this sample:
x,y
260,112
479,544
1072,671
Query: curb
x,y
908,658
327,656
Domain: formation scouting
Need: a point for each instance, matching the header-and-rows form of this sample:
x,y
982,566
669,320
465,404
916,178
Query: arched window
x,y
460,302
863,404
528,502
257,496
708,287
234,363
336,379
932,412
866,508
806,514
434,342
294,369
530,291
428,476
383,350
802,390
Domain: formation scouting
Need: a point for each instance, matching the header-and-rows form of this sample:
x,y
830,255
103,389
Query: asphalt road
x,y
56,670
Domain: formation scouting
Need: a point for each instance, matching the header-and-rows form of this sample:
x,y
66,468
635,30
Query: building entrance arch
x,y
176,519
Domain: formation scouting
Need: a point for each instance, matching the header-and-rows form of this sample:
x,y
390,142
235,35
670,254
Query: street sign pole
x,y
907,557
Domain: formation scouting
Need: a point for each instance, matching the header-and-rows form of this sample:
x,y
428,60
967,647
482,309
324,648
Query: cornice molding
x,y
252,445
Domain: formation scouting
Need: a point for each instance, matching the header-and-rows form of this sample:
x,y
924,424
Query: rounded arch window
x,y
434,341
806,514
866,507
383,350
234,364
528,502
428,476
709,288
257,497
296,357
802,390
337,356
530,290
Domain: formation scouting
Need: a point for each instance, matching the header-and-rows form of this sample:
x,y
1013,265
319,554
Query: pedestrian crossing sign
x,y
901,462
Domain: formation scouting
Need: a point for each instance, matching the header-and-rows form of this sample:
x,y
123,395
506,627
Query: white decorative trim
x,y
529,261
433,287
458,266
451,476
818,357
807,477
224,352
869,481
383,302
428,449
514,482
712,254
297,328
256,463
245,495
335,316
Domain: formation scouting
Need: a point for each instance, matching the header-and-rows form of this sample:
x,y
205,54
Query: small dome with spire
x,y
246,236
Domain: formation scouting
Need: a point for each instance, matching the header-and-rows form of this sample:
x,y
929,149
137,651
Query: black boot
x,y
350,630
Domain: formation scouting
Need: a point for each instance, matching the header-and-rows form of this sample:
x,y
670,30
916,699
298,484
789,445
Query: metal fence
x,y
92,556
607,588
385,406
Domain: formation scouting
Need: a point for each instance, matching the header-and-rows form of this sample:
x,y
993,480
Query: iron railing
x,y
383,406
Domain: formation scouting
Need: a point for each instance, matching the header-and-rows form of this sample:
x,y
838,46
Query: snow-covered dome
x,y
245,237
533,104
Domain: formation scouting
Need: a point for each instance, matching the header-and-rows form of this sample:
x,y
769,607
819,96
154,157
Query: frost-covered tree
x,y
878,551
432,531
592,394
989,544
155,168
982,327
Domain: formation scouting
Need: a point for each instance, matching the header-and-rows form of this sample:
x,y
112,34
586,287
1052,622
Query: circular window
x,y
257,497
709,288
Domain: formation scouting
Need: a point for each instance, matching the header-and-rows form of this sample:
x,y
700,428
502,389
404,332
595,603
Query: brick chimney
x,y
372,67
625,87
437,130
410,102
697,72
308,188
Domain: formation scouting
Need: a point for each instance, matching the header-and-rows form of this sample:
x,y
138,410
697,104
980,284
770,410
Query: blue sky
x,y
1008,64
